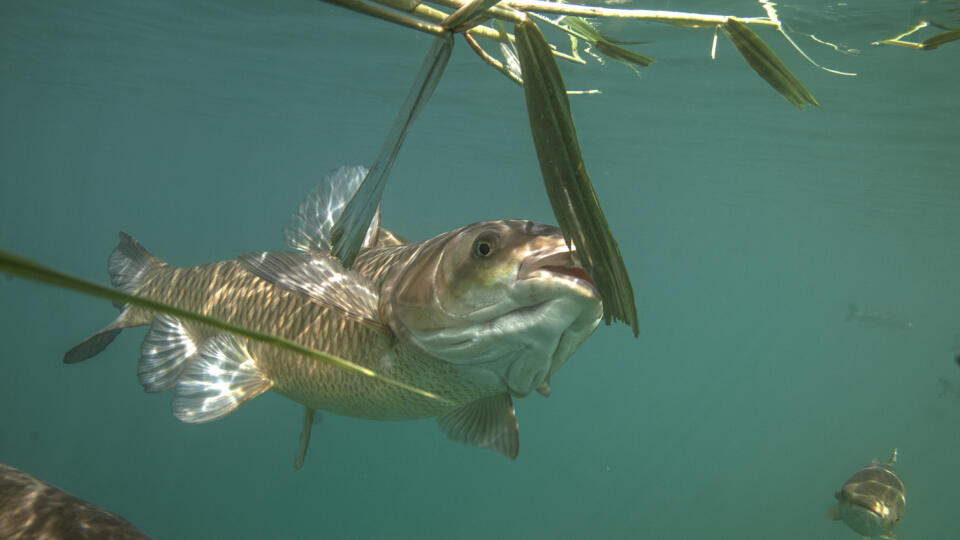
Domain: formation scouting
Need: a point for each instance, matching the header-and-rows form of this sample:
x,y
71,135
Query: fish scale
x,y
225,289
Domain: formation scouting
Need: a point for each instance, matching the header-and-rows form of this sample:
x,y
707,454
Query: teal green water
x,y
748,227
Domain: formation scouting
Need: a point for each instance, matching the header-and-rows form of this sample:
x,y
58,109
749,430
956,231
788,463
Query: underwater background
x,y
748,226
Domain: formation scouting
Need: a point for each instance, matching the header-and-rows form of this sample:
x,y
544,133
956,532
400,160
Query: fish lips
x,y
868,520
563,291
559,262
874,509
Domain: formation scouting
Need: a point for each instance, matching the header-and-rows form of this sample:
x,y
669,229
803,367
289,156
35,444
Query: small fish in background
x,y
34,510
948,389
478,315
878,318
872,501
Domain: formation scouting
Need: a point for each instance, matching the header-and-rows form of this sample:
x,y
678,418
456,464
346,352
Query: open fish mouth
x,y
556,261
874,509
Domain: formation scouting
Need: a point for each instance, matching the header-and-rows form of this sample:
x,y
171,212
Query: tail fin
x,y
128,264
854,310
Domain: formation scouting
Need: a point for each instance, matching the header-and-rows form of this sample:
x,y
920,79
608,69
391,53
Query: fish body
x,y
476,316
872,501
228,291
878,318
34,510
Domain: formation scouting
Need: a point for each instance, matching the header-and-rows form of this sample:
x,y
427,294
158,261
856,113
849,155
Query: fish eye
x,y
484,245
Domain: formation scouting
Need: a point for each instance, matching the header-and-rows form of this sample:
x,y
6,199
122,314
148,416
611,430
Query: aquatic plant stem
x,y
695,20
390,15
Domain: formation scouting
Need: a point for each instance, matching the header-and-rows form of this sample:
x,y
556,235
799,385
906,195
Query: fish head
x,y
505,299
869,520
874,500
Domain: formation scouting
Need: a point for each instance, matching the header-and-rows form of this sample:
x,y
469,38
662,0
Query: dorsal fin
x,y
390,238
129,264
309,228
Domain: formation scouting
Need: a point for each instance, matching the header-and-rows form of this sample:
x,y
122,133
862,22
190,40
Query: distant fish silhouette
x,y
34,510
947,388
878,318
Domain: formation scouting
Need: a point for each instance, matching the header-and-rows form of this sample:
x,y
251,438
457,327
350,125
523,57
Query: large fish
x,y
872,501
476,316
34,510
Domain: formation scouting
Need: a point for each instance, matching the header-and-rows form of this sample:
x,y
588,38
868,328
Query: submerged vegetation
x,y
929,44
529,59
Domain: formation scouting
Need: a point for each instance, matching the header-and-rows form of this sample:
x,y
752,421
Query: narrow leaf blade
x,y
937,40
603,44
348,232
571,193
766,63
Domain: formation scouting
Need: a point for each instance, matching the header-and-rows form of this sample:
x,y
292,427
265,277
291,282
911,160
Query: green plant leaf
x,y
937,40
467,16
621,54
25,268
603,44
348,232
571,193
766,63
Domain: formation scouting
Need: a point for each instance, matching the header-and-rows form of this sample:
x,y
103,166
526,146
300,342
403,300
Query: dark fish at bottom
x,y
34,510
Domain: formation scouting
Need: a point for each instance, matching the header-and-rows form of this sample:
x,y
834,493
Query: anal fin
x,y
304,437
490,422
221,378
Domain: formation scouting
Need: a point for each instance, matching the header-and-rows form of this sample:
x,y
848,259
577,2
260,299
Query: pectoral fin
x,y
833,513
490,422
321,278
223,377
304,437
